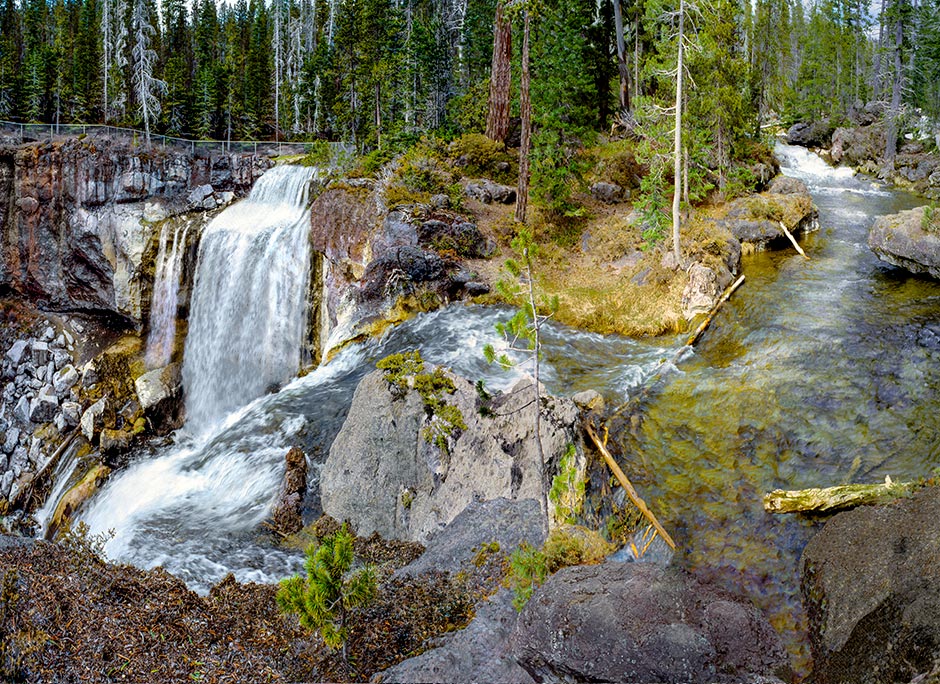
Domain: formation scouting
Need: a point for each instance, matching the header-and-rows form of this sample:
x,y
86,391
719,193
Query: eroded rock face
x,y
286,515
642,622
383,476
871,589
900,239
855,146
378,264
76,218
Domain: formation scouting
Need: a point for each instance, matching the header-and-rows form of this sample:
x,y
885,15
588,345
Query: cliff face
x,y
76,219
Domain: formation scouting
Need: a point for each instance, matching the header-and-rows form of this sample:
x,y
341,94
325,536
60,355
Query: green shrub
x,y
329,592
477,150
528,570
930,221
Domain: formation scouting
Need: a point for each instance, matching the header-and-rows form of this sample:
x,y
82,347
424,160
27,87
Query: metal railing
x,y
25,132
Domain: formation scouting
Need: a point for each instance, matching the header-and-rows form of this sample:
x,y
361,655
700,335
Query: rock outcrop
x,y
900,240
377,266
383,475
871,591
286,515
755,221
77,219
642,622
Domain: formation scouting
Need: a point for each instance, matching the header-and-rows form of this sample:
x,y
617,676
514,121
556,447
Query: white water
x,y
163,308
249,299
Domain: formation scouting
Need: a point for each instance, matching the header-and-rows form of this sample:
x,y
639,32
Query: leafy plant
x,y
528,569
324,598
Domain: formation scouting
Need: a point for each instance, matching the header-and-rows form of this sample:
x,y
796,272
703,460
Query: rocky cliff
x,y
76,218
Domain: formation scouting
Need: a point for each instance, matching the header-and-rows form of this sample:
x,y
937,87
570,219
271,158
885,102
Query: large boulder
x,y
642,622
384,476
900,239
160,394
810,134
856,146
871,591
755,220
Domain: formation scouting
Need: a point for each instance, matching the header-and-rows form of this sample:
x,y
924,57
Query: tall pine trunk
x,y
622,58
891,134
497,116
677,186
525,145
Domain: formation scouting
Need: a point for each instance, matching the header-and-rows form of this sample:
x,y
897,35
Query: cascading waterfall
x,y
166,286
249,298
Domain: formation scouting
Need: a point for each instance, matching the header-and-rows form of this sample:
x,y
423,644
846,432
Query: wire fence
x,y
24,132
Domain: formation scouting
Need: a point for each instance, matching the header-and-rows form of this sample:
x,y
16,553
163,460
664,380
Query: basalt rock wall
x,y
77,216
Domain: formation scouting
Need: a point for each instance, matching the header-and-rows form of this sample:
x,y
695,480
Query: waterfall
x,y
249,299
165,293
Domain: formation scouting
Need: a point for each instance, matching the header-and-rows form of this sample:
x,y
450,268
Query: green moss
x,y
404,372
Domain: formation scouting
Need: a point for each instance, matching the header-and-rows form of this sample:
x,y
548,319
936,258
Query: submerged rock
x,y
286,515
900,240
871,591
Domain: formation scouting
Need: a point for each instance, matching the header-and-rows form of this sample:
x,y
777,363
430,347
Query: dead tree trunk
x,y
677,186
497,116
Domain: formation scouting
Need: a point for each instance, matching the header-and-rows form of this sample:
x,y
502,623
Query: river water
x,y
815,373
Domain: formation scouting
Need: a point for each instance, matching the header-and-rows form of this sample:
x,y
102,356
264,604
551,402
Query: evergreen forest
x,y
381,73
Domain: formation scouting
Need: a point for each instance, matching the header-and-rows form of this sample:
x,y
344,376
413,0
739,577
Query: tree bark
x,y
677,185
525,145
891,133
622,58
497,116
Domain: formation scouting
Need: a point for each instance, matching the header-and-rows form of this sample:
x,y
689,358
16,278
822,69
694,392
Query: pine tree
x,y
147,88
323,600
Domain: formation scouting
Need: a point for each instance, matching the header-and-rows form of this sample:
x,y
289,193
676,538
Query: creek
x,y
815,373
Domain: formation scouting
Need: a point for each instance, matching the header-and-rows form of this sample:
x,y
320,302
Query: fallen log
x,y
830,499
786,232
628,488
693,338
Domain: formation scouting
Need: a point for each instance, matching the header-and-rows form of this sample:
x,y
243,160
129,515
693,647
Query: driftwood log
x,y
836,498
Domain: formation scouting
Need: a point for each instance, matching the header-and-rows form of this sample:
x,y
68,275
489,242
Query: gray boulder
x,y
72,412
286,513
21,411
11,440
642,622
383,476
477,653
508,523
785,185
488,192
608,193
44,407
462,237
40,353
701,292
871,590
812,134
900,240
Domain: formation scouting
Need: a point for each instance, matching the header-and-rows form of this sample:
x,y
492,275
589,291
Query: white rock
x,y
15,353
72,412
151,389
6,483
12,439
44,407
91,418
40,353
21,412
64,380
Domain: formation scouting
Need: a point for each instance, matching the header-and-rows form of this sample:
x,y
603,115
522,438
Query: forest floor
x,y
67,616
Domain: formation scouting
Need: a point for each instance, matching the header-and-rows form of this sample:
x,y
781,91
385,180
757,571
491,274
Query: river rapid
x,y
815,373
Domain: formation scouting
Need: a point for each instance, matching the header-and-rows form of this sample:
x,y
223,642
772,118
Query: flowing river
x,y
815,373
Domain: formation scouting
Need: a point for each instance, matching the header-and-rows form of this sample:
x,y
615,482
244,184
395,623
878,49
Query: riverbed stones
x,y
900,239
642,622
870,582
